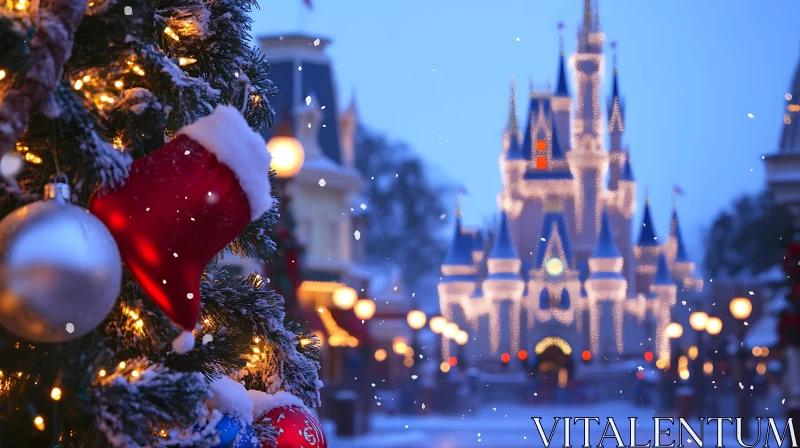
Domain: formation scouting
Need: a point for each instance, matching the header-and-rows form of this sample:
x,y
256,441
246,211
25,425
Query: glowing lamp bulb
x,y
450,330
714,326
674,330
286,151
416,319
698,320
437,324
344,298
741,307
461,337
364,309
380,355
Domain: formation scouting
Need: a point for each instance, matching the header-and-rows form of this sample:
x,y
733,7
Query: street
x,y
510,426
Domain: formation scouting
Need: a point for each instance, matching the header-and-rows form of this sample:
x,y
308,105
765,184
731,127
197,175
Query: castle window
x,y
541,145
541,163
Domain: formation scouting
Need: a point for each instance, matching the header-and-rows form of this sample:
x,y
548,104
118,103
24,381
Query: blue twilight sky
x,y
435,73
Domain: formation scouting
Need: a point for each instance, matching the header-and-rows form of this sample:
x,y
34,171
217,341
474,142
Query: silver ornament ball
x,y
60,269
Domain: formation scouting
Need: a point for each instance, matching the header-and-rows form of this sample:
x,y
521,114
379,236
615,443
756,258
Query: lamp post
x,y
461,339
698,320
741,307
437,324
287,157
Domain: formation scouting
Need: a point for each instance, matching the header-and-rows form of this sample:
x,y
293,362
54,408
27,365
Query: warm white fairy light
x,y
494,328
549,341
513,320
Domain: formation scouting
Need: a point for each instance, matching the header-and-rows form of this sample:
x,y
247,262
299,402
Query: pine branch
x,y
50,49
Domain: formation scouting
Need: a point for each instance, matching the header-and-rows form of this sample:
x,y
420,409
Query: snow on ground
x,y
507,426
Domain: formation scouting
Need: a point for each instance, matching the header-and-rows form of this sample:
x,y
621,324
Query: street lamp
x,y
741,307
674,330
345,297
416,319
698,320
285,150
364,309
461,337
437,324
714,326
450,330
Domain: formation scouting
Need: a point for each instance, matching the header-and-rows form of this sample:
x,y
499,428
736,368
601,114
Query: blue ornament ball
x,y
229,428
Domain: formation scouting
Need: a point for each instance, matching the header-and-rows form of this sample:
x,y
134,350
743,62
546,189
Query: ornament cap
x,y
57,190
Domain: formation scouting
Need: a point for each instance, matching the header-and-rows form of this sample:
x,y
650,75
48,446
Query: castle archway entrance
x,y
554,366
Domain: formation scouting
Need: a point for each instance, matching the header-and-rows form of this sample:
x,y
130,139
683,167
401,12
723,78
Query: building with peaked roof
x,y
563,273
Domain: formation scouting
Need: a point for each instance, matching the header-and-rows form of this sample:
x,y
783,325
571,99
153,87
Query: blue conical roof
x,y
544,299
477,241
478,293
557,152
647,236
460,251
627,170
583,275
514,148
663,277
503,249
565,302
528,138
606,248
561,85
675,232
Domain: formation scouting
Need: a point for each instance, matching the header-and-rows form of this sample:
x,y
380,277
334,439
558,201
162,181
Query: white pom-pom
x,y
183,343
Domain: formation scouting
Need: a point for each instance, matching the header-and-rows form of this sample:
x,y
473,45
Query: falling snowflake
x,y
413,377
750,116
207,338
322,182
129,12
741,386
316,42
518,39
423,405
357,234
308,100
640,368
70,327
363,206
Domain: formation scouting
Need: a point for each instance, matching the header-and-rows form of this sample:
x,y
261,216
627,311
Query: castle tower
x,y
588,159
562,102
681,267
646,251
504,283
458,276
606,291
663,296
512,164
615,130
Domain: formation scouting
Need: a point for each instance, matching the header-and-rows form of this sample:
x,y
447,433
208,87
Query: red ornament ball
x,y
297,428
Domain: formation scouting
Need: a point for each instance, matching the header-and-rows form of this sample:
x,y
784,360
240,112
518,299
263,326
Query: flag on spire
x,y
308,4
462,191
677,190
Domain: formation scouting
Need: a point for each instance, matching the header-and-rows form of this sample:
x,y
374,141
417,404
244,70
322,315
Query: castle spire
x,y
615,109
587,17
513,128
647,236
561,83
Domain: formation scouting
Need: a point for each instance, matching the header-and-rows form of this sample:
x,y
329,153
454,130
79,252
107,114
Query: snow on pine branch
x,y
146,405
110,165
243,306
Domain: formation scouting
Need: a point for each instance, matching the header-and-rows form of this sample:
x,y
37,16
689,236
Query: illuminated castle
x,y
562,269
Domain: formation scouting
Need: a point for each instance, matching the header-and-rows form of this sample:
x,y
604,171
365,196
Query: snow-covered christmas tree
x,y
117,328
